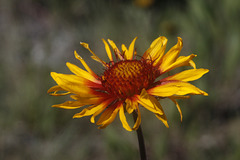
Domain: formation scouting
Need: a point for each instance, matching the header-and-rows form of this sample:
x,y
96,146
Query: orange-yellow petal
x,y
96,114
164,90
131,105
72,83
93,109
149,102
162,118
124,51
89,100
156,50
184,61
178,107
190,63
95,57
123,119
155,44
187,75
129,54
87,111
187,88
69,105
84,64
138,120
171,56
55,89
92,119
106,115
82,73
161,51
115,49
109,53
109,119
175,88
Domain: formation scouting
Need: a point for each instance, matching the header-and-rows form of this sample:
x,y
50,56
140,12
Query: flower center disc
x,y
127,78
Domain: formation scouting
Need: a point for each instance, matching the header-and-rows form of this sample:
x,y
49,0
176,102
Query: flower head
x,y
127,82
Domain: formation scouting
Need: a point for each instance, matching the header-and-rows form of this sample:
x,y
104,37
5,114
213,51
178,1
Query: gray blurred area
x,y
37,37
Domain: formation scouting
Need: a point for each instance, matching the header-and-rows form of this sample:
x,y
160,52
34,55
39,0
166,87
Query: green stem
x,y
140,139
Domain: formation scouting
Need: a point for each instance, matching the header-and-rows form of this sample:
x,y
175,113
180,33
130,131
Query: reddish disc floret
x,y
128,77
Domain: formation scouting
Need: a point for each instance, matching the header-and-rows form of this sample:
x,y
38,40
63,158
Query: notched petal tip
x,y
179,38
180,41
85,45
77,56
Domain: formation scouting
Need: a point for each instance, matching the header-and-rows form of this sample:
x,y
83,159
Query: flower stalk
x,y
142,149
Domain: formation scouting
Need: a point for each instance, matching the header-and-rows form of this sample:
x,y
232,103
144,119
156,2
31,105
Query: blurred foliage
x,y
38,37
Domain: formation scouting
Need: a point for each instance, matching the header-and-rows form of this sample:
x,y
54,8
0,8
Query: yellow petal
x,y
69,105
87,100
171,56
156,50
115,49
93,109
149,102
160,51
124,51
109,53
84,64
187,75
131,105
138,121
55,89
80,72
178,107
106,115
92,119
178,63
148,54
113,45
164,90
187,88
191,63
156,41
98,60
105,123
129,54
175,88
123,119
85,45
72,83
163,118
87,111
96,114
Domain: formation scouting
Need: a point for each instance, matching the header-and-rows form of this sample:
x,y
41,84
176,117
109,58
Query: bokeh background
x,y
37,37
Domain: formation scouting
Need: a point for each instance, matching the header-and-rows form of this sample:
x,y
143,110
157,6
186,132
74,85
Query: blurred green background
x,y
39,36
